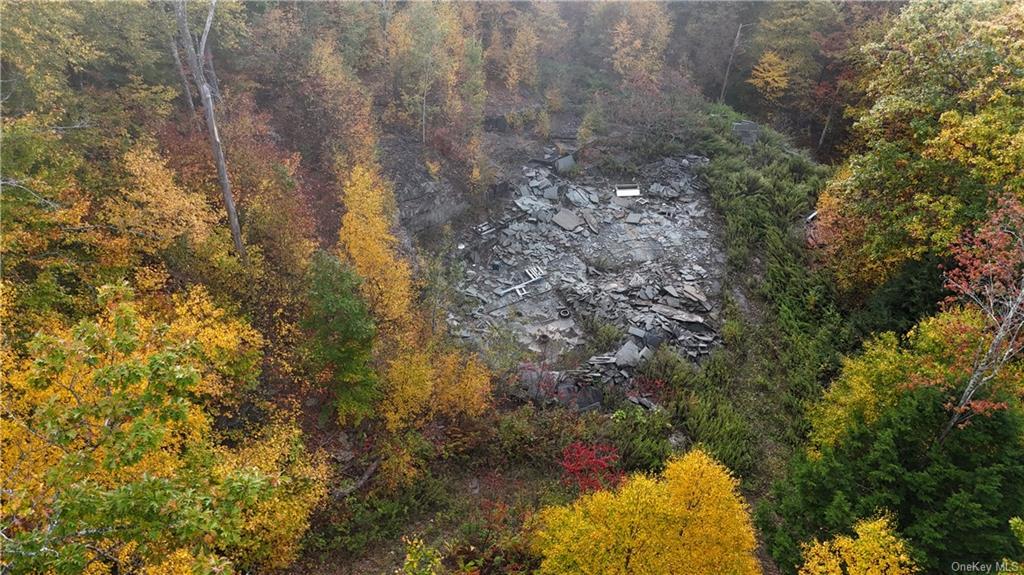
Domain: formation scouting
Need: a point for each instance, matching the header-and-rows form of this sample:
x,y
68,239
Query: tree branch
x,y
50,204
345,492
206,28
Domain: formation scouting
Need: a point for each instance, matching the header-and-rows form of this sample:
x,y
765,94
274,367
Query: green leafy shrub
x,y
492,539
363,521
641,437
701,409
420,559
714,422
537,437
603,335
667,365
342,331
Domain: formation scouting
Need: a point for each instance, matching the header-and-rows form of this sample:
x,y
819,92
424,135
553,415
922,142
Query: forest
x,y
511,287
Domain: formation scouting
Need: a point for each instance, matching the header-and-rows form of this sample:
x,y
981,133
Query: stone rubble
x,y
569,253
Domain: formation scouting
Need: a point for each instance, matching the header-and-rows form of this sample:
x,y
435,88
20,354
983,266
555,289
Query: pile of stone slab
x,y
566,256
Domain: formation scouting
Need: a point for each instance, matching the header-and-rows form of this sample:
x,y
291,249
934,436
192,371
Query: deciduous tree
x,y
690,520
947,500
366,241
939,352
521,57
200,75
990,276
927,165
876,548
771,76
154,209
639,40
109,463
340,337
418,57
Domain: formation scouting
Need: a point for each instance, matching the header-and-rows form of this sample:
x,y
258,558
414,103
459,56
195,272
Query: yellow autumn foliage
x,y
639,41
347,132
42,43
987,135
59,429
27,456
938,352
837,235
864,389
422,377
690,520
367,242
178,562
462,384
875,550
153,208
770,76
272,529
410,383
229,348
521,66
433,382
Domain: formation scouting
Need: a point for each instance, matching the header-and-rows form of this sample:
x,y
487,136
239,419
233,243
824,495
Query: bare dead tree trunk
x,y
828,118
728,67
345,492
184,78
385,17
205,93
211,74
427,84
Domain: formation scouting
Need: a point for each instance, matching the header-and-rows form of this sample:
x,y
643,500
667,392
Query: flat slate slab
x,y
567,219
676,314
628,355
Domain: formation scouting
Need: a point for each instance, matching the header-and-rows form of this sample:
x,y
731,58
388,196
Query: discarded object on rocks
x,y
627,190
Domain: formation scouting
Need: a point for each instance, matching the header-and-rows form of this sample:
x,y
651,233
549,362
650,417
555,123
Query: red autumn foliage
x,y
651,387
590,466
990,262
989,274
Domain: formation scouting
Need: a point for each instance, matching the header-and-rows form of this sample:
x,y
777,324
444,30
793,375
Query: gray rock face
x,y
562,252
565,164
677,314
